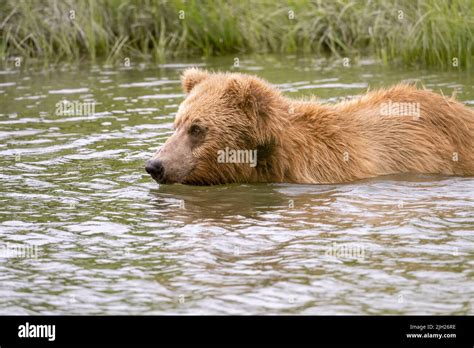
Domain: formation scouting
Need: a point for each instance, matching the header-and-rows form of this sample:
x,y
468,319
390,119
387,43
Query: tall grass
x,y
423,32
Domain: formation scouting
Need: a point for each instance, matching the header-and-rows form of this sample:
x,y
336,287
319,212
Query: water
x,y
105,239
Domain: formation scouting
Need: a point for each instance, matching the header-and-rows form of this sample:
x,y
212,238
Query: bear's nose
x,y
155,169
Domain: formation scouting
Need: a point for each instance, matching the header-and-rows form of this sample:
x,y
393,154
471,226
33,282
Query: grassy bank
x,y
424,32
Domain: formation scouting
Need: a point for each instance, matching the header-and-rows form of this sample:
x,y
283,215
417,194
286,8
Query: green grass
x,y
431,32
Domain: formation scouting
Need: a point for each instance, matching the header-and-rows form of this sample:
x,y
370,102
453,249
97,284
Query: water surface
x,y
109,240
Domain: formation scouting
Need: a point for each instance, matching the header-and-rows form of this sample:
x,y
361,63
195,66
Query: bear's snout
x,y
155,169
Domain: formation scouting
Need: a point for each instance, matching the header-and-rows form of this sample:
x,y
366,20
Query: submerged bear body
x,y
238,128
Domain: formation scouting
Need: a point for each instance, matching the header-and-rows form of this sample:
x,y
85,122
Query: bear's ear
x,y
251,95
192,77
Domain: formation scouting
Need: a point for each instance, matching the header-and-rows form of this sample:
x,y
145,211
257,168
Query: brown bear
x,y
237,128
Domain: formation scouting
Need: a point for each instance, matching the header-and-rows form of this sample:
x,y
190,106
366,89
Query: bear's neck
x,y
310,145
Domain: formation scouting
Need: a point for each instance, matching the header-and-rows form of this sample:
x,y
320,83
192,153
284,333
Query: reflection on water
x,y
111,241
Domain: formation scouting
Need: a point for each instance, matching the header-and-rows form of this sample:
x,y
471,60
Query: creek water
x,y
84,230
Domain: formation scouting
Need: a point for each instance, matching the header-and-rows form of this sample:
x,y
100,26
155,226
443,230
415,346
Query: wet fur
x,y
313,143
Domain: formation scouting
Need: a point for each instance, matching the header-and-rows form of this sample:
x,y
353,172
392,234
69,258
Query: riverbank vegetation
x,y
422,32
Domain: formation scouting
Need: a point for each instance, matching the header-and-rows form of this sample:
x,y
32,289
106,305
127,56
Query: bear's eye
x,y
196,130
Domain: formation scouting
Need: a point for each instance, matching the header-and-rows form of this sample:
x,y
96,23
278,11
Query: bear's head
x,y
224,131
